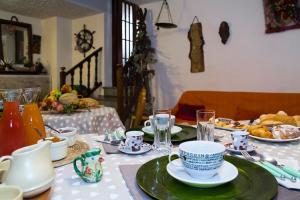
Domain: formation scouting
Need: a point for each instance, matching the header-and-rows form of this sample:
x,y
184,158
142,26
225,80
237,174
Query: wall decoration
x,y
224,32
16,42
36,44
196,46
84,40
166,24
281,15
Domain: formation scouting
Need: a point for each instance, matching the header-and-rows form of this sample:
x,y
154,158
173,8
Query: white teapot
x,y
30,168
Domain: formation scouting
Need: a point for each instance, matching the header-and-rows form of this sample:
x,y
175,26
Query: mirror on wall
x,y
15,44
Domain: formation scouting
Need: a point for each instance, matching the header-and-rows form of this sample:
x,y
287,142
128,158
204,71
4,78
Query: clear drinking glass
x,y
162,130
205,125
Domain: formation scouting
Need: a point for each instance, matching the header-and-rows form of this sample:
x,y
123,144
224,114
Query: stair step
x,y
110,101
110,91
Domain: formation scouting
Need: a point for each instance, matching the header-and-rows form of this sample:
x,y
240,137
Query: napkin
x,y
110,149
129,175
287,183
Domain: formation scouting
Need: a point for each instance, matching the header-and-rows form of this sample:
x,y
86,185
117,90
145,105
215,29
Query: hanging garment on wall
x,y
196,46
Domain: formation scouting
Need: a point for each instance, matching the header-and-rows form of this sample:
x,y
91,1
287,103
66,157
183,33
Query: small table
x,y
96,120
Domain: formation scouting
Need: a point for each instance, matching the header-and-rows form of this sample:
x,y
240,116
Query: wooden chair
x,y
120,92
139,116
131,99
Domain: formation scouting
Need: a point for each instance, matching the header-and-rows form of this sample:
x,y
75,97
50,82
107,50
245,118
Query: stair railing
x,y
86,63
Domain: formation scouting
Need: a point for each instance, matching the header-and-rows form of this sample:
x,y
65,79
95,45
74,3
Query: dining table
x,y
118,181
93,120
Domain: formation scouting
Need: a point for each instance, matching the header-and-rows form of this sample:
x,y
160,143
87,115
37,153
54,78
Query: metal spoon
x,y
53,128
40,133
267,158
113,142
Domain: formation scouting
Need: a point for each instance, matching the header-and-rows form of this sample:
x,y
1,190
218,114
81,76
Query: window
x,y
128,28
124,31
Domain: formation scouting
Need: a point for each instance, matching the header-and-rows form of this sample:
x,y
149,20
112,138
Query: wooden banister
x,y
80,66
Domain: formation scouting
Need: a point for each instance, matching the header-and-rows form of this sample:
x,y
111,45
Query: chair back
x,y
140,108
120,91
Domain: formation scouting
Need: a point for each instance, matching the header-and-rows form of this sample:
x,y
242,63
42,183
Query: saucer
x,y
226,173
249,148
149,130
144,148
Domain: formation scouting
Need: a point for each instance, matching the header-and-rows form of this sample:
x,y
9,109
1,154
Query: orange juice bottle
x,y
32,117
11,125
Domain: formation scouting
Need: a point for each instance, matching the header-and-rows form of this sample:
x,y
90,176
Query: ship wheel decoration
x,y
84,40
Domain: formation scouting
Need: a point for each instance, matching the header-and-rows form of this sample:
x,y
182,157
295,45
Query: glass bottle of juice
x,y
12,135
32,117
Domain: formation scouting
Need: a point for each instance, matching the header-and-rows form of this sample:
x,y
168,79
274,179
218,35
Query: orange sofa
x,y
234,105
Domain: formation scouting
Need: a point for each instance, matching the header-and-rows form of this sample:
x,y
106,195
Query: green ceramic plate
x,y
253,182
187,133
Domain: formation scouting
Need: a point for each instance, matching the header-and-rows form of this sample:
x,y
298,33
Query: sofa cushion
x,y
246,114
188,112
250,104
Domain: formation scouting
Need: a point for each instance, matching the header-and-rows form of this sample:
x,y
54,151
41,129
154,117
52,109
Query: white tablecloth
x,y
68,185
94,121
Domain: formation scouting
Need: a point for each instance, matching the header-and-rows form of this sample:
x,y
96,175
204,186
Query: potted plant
x,y
137,68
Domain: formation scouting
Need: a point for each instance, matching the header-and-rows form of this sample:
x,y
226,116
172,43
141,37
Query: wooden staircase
x,y
91,65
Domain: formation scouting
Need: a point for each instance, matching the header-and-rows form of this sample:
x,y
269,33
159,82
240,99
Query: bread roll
x,y
297,119
270,119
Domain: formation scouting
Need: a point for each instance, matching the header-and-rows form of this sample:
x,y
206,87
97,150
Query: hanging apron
x,y
196,46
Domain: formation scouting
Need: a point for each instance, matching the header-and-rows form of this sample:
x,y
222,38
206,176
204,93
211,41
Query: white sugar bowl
x,y
68,132
58,149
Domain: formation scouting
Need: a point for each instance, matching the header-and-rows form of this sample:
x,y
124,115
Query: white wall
x,y
35,23
64,42
49,48
56,46
250,61
93,23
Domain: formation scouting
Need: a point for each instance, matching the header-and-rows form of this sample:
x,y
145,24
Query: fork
x,y
273,172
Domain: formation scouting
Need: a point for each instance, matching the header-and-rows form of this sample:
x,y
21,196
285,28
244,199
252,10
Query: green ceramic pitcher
x,y
91,169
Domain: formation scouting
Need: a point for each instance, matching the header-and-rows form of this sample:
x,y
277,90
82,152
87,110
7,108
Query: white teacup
x,y
240,140
150,121
134,140
200,159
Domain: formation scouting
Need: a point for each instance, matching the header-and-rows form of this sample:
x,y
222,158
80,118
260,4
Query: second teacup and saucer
x,y
134,143
239,142
149,127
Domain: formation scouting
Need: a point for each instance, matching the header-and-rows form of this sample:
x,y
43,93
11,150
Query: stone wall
x,y
23,81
